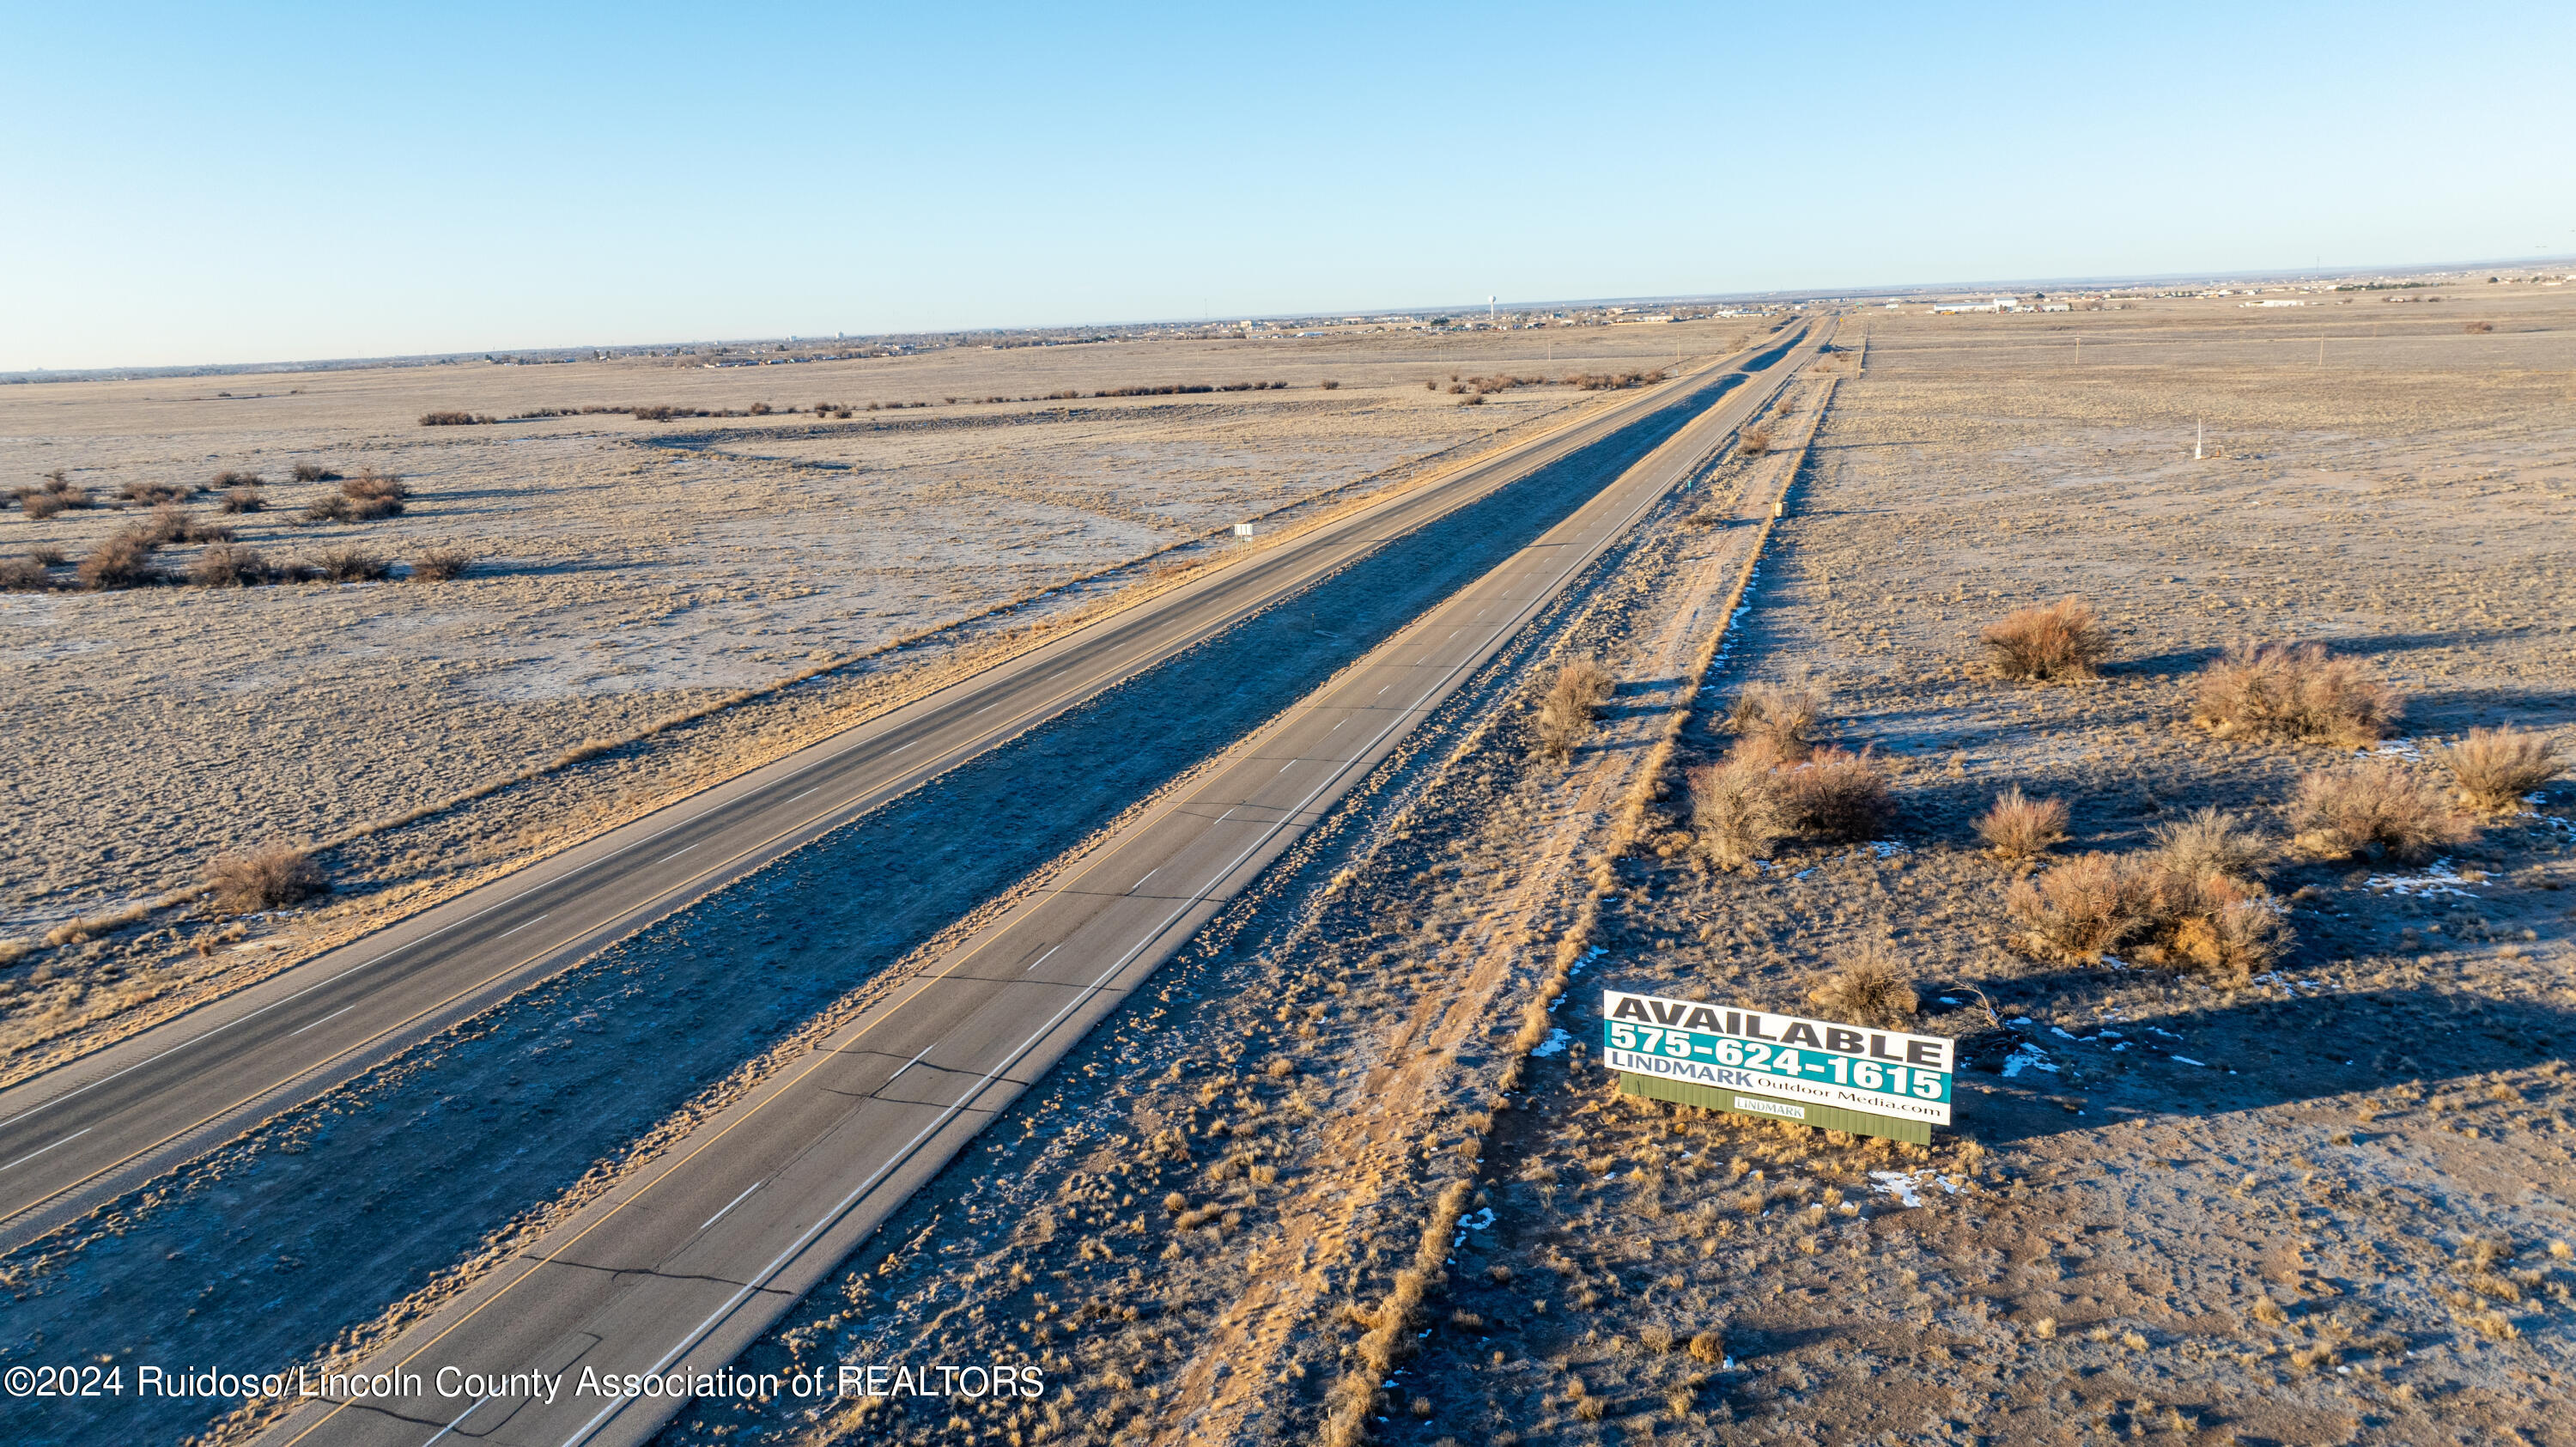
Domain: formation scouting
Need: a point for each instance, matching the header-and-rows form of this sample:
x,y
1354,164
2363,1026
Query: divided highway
x,y
690,1259
83,1134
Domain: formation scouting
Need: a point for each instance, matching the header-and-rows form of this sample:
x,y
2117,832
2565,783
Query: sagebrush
x,y
2293,693
2493,769
272,876
2048,645
1573,698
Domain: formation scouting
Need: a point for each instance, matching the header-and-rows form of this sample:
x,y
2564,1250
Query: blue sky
x,y
255,182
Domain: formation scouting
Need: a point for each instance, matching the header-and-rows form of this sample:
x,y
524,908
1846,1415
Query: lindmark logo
x,y
1770,1107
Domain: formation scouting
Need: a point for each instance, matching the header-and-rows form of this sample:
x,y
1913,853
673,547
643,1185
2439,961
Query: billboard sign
x,y
1788,1067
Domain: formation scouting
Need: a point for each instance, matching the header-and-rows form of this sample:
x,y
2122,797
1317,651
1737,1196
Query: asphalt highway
x,y
85,1133
687,1261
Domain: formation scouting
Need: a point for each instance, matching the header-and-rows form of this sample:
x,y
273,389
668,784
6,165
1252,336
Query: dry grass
x,y
1872,987
1565,715
2018,827
230,565
123,561
2047,645
1354,1398
437,565
272,876
2492,769
1836,795
2295,693
2377,810
1782,714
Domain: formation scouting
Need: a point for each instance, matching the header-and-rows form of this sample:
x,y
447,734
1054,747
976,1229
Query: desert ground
x,y
649,604
2324,1202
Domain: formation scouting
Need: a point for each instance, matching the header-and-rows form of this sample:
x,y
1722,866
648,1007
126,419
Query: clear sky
x,y
246,182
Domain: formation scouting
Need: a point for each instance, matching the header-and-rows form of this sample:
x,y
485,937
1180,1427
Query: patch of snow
x,y
1897,1184
2411,750
1554,1044
1888,848
2436,878
1907,1188
2028,1057
2187,1060
1946,1000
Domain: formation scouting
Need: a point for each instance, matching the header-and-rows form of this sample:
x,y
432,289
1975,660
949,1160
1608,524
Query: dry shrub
x,y
1836,795
2079,909
437,565
55,497
2209,921
374,494
304,472
123,561
1566,714
1872,987
1756,442
240,500
272,876
452,419
2494,768
350,565
152,494
2295,692
1783,714
2021,828
2478,327
168,524
229,565
1328,384
2044,645
331,509
2210,842
1735,811
23,575
2377,810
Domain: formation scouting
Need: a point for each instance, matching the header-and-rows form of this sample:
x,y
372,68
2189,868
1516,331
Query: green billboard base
x,y
1763,1107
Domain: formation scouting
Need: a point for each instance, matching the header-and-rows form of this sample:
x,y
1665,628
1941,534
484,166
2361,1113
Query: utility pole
x,y
2195,439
